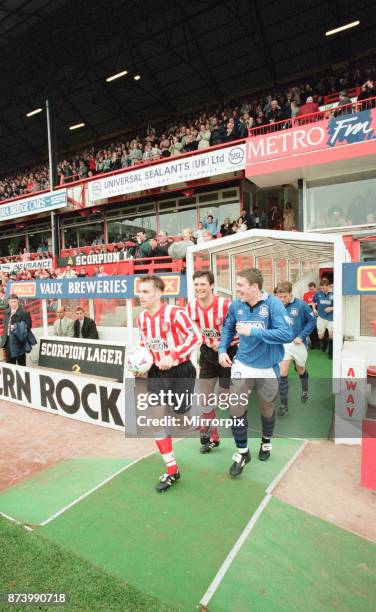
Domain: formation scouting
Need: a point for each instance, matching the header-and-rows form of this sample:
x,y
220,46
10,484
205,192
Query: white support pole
x,y
45,317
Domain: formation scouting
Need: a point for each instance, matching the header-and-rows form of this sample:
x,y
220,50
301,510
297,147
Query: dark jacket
x,y
89,329
20,339
19,315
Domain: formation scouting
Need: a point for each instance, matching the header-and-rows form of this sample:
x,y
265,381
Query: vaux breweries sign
x,y
359,278
210,163
91,287
83,357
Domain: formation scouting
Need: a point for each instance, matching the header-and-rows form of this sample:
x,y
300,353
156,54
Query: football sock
x,y
304,381
213,431
239,429
267,426
283,389
165,448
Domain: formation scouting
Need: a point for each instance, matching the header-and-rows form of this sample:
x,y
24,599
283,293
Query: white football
x,y
139,360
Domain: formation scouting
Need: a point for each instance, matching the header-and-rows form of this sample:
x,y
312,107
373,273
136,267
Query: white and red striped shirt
x,y
210,320
169,331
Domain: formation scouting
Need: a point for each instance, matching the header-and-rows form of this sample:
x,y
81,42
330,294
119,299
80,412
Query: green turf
x,y
36,499
294,561
31,564
169,545
311,420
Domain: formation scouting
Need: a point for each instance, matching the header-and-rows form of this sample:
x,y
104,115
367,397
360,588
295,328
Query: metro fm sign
x,y
299,145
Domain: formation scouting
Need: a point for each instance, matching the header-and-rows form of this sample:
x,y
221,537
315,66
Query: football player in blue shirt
x,y
263,327
303,323
322,305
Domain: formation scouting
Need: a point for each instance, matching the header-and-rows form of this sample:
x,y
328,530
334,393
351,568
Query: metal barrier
x,y
294,122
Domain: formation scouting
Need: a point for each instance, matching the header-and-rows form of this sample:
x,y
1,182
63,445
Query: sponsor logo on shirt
x,y
157,344
255,324
294,312
211,333
263,311
288,320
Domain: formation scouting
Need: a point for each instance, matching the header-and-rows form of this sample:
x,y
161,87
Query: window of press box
x,y
340,202
221,210
175,220
125,229
368,250
12,245
39,242
84,235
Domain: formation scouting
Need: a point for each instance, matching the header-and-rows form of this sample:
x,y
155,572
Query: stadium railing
x,y
294,122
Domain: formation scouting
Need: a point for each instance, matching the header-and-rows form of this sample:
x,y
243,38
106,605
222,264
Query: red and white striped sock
x,y
212,430
165,448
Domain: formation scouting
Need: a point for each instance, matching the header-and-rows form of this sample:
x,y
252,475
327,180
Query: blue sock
x,y
267,426
304,380
283,389
239,430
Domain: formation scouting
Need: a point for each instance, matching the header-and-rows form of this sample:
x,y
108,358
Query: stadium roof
x,y
187,54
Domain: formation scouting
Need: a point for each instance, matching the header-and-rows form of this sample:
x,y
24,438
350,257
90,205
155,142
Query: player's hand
x,y
298,340
166,363
244,329
215,345
328,309
224,360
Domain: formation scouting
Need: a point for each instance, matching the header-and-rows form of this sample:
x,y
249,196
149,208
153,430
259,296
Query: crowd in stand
x,y
211,127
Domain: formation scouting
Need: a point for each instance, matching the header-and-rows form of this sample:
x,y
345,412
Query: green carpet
x,y
294,561
171,545
36,499
30,564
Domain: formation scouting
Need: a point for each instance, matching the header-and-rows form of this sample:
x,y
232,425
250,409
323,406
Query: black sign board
x,y
106,360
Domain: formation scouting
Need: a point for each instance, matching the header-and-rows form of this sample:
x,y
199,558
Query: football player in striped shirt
x,y
208,312
171,336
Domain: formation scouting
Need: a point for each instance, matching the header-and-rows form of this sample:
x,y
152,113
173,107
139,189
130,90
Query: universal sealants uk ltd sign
x,y
176,170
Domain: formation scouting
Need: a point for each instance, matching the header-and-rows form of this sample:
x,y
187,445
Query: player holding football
x,y
263,327
208,312
303,323
171,336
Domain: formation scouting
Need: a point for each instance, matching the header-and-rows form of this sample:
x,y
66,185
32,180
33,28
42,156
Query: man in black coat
x,y
84,327
14,314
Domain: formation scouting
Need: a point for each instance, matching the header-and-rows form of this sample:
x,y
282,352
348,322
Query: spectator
x,y
163,243
217,133
84,327
70,272
190,145
344,98
178,250
82,272
242,226
368,91
63,326
289,218
102,271
275,221
226,228
203,137
308,108
211,224
274,114
17,336
207,236
199,233
176,147
247,218
258,218
142,249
